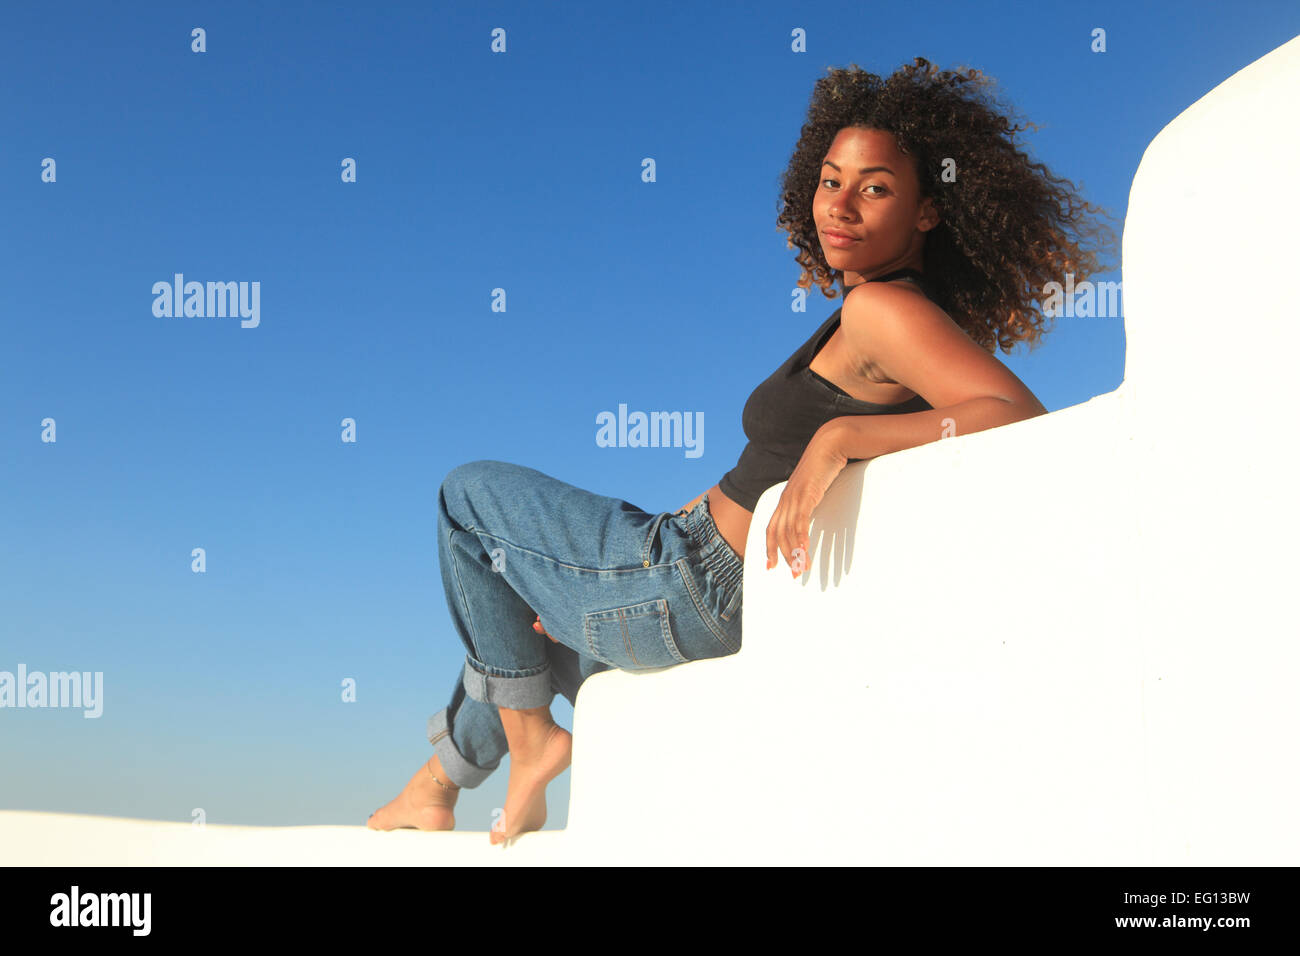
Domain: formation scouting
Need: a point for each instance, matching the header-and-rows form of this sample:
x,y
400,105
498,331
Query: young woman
x,y
942,233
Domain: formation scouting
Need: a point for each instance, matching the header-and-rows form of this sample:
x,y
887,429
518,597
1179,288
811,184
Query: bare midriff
x,y
732,519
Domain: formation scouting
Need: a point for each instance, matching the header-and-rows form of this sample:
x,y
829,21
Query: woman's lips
x,y
839,242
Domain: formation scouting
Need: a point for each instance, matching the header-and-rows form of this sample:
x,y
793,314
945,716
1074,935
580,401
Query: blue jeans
x,y
615,585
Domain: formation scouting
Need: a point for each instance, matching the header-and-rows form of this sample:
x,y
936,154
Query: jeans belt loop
x,y
649,539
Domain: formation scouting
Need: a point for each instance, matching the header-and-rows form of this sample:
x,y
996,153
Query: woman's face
x,y
869,195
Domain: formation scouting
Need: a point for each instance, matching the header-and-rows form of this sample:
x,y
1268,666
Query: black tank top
x,y
786,410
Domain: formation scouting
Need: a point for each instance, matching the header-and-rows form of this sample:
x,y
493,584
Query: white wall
x,y
1099,668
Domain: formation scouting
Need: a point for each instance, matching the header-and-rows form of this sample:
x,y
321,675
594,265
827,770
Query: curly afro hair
x,y
1006,223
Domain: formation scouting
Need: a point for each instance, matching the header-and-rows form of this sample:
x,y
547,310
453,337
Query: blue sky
x,y
475,171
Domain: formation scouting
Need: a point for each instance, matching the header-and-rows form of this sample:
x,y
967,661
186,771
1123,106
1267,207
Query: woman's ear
x,y
929,216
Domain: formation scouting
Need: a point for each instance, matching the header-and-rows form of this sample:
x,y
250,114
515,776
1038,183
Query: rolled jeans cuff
x,y
461,771
516,691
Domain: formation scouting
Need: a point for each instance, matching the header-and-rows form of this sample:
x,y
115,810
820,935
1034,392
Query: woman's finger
x,y
773,539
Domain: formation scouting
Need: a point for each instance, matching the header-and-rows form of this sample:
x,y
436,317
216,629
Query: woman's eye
x,y
882,189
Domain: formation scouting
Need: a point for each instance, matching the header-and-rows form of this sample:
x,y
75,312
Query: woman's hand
x,y
537,626
788,530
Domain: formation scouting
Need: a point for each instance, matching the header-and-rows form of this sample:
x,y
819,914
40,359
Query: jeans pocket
x,y
633,637
712,636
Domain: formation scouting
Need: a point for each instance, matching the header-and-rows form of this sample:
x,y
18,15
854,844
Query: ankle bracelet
x,y
435,776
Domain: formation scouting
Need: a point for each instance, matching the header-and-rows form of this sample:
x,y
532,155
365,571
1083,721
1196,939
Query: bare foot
x,y
422,804
532,767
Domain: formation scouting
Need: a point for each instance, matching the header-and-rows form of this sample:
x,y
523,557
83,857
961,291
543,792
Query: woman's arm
x,y
914,343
